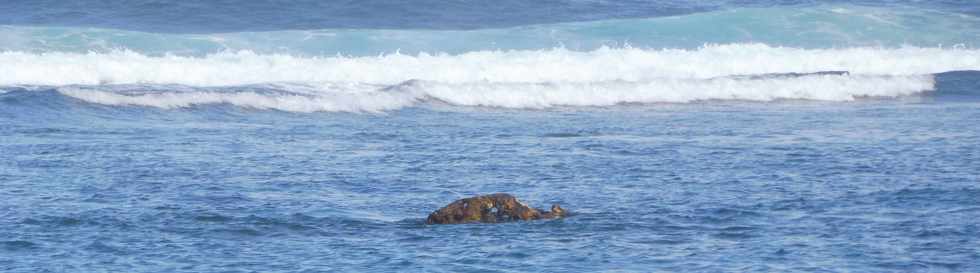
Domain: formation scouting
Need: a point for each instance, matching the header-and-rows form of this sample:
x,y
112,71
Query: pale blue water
x,y
170,136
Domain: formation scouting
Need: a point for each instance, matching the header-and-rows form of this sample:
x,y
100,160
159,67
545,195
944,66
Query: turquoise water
x,y
820,26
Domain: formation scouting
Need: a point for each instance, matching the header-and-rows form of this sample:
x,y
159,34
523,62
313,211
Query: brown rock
x,y
493,208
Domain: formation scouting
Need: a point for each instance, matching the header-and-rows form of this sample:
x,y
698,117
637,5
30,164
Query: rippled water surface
x,y
862,186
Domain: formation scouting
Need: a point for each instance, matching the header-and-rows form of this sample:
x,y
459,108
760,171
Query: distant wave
x,y
830,26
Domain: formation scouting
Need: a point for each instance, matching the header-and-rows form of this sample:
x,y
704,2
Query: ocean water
x,y
316,136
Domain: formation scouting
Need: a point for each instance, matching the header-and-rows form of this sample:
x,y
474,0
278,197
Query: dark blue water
x,y
864,186
704,137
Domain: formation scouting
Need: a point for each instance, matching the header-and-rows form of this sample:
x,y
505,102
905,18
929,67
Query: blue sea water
x,y
316,136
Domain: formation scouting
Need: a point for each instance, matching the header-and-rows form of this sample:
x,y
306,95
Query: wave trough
x,y
822,26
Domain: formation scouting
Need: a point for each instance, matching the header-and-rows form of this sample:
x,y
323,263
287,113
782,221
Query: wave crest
x,y
554,65
372,98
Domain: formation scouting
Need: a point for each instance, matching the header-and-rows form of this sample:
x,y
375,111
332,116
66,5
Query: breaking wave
x,y
509,79
378,98
533,66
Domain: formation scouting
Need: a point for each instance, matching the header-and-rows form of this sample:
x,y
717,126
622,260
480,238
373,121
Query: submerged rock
x,y
493,208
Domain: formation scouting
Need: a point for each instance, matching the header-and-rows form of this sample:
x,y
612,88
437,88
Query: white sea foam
x,y
512,79
328,101
816,87
544,66
368,98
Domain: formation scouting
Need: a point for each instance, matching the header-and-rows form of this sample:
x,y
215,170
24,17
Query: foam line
x,y
367,98
553,65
